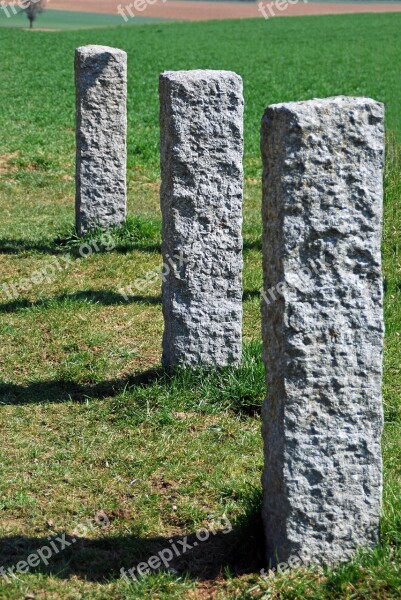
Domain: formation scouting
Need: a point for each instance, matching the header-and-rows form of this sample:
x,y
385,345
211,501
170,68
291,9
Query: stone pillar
x,y
201,200
101,125
322,327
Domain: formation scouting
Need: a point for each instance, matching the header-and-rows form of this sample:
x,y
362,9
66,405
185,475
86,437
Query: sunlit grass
x,y
89,420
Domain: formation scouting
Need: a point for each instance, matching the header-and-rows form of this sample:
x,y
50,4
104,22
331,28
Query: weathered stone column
x,y
201,200
322,327
101,125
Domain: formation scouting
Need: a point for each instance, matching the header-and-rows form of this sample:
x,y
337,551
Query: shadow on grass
x,y
60,246
135,234
103,297
64,390
237,548
254,245
240,389
251,294
12,246
108,298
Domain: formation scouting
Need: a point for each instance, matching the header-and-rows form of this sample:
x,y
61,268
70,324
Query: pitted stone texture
x,y
323,332
101,94
201,200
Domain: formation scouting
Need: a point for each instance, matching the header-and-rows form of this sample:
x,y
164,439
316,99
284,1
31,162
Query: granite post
x,y
201,118
101,125
322,321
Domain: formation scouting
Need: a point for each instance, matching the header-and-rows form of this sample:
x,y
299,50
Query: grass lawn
x,y
90,424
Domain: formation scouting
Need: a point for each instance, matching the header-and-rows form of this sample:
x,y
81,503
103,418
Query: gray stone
x,y
322,327
201,200
101,125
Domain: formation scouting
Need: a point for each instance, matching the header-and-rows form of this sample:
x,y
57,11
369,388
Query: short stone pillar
x,y
322,327
201,201
101,125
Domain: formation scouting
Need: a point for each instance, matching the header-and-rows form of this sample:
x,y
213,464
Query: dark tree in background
x,y
32,9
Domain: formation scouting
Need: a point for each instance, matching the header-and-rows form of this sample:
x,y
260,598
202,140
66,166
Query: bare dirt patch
x,y
6,163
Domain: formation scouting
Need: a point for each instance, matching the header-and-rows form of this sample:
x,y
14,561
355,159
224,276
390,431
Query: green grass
x,y
60,20
90,422
279,60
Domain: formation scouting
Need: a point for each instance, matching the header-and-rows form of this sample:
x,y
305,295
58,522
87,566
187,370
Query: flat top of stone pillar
x,y
92,50
199,75
325,103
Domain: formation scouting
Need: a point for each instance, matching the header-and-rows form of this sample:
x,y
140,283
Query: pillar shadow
x,y
237,548
60,246
140,247
251,294
57,391
103,297
13,246
254,245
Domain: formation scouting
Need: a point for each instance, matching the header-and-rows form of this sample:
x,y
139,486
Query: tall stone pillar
x,y
201,200
322,327
101,125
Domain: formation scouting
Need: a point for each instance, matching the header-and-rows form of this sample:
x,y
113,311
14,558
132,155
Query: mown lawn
x,y
90,424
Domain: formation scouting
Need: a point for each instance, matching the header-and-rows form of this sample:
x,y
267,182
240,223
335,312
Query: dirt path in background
x,y
204,11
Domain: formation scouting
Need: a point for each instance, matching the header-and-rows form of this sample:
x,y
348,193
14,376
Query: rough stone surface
x,y
201,200
101,93
322,327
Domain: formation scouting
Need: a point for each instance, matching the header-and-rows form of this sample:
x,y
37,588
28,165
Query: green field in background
x,y
280,60
66,20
